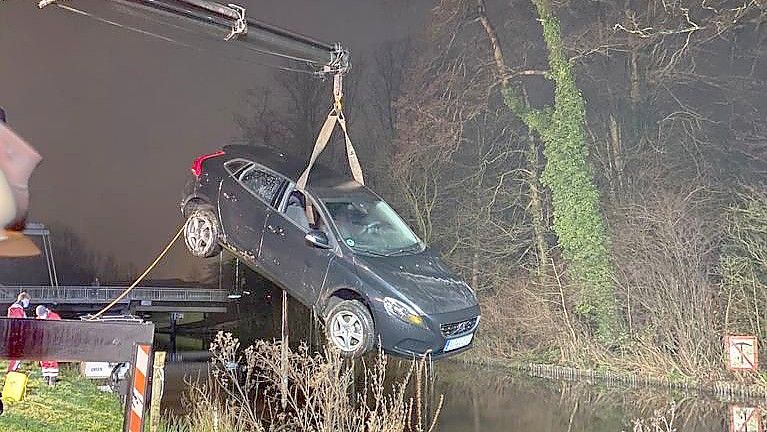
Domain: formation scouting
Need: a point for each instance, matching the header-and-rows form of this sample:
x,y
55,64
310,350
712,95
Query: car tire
x,y
201,233
349,328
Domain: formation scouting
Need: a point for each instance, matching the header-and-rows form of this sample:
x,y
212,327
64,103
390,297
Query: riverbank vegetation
x,y
244,392
595,171
577,163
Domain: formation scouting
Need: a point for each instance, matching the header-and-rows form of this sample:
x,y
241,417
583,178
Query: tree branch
x,y
511,97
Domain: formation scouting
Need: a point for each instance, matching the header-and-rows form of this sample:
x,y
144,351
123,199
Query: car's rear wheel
x,y
201,233
349,327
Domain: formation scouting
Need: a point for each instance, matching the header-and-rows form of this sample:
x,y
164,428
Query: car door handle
x,y
276,229
230,197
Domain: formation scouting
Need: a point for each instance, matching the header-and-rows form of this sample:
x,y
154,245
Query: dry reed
x,y
325,393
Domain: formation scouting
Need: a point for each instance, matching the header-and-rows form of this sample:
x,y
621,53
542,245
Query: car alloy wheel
x,y
346,331
201,233
349,327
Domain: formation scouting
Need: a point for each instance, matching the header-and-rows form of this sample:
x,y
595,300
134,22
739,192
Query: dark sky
x,y
119,116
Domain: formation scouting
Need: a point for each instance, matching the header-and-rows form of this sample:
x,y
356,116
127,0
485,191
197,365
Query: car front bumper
x,y
408,340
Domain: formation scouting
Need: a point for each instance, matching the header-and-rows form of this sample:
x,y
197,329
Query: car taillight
x,y
197,164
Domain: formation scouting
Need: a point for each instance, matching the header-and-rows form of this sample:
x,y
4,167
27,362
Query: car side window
x,y
263,184
295,210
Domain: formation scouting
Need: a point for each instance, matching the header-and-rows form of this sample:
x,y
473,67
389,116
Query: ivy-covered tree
x,y
578,222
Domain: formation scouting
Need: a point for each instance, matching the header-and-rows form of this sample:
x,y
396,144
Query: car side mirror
x,y
318,239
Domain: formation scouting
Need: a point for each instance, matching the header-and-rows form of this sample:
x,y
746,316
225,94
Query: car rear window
x,y
234,166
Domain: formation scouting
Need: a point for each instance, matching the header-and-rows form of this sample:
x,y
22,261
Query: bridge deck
x,y
97,295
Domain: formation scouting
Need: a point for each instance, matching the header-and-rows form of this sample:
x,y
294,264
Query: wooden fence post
x,y
158,388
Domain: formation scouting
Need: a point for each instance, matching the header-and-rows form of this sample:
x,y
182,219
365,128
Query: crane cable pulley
x,y
240,25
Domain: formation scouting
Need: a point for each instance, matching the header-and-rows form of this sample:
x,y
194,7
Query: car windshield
x,y
368,225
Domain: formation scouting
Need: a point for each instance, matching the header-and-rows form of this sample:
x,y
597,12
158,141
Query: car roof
x,y
323,181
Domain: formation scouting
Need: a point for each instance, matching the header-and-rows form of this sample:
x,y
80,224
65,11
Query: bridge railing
x,y
105,294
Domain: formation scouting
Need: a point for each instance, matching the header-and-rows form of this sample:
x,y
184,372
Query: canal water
x,y
493,400
490,400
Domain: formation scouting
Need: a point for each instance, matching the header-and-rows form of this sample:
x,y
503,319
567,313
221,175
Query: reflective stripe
x,y
139,388
16,311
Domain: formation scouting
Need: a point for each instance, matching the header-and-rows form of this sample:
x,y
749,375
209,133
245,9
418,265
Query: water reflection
x,y
484,399
487,400
494,401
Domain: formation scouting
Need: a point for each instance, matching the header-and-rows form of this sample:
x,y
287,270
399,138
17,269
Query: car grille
x,y
456,328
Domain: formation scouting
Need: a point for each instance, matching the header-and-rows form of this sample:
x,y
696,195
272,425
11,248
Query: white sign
x,y
742,353
97,370
745,419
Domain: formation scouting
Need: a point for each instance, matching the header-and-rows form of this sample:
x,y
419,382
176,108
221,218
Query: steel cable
x,y
143,275
185,45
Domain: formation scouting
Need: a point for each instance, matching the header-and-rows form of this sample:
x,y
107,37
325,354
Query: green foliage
x,y
75,404
578,222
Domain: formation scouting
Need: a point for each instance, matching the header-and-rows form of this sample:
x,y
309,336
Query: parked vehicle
x,y
358,265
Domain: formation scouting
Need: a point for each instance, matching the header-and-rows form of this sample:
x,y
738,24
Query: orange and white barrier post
x,y
138,392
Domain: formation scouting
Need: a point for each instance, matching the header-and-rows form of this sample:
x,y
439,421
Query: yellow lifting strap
x,y
336,116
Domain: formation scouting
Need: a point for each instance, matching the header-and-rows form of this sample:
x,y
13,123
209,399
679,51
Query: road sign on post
x,y
742,353
745,419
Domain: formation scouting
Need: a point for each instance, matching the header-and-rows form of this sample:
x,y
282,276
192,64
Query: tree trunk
x,y
536,211
616,156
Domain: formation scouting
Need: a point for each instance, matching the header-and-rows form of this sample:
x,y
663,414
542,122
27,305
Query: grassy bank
x,y
75,404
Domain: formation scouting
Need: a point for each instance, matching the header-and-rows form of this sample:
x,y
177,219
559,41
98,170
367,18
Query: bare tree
x,y
76,263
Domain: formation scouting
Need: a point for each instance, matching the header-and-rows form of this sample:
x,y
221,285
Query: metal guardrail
x,y
105,294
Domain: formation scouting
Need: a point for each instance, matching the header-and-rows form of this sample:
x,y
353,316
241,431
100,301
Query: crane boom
x,y
327,60
231,20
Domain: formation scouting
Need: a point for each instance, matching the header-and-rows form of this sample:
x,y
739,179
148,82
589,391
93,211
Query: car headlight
x,y
402,311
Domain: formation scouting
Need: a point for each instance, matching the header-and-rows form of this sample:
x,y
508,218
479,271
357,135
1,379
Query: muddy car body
x,y
359,266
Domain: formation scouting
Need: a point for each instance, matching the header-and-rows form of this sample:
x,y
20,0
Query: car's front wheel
x,y
201,233
349,327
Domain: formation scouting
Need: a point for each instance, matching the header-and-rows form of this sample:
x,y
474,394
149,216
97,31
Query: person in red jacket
x,y
50,368
16,310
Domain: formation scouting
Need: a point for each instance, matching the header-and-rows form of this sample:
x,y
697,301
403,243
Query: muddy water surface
x,y
496,401
492,400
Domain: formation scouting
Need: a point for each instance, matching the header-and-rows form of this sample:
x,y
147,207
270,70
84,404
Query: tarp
x,y
17,161
66,340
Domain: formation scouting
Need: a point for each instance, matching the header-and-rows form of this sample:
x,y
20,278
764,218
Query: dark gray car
x,y
358,265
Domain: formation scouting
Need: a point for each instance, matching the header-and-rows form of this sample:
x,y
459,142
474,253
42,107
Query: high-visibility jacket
x,y
50,367
16,311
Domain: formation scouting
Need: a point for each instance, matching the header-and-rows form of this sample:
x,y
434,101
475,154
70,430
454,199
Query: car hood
x,y
423,279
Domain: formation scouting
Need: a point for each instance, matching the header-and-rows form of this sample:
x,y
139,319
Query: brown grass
x,y
660,421
325,393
